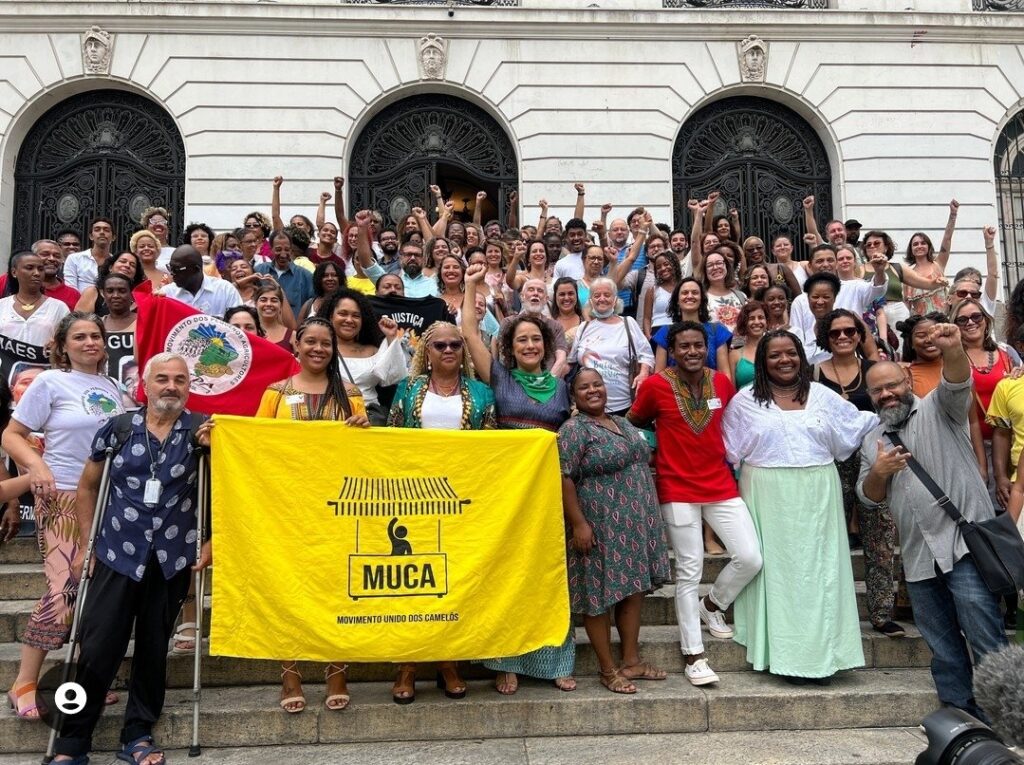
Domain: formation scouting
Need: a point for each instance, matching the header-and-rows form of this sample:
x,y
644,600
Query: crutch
x,y
83,588
202,506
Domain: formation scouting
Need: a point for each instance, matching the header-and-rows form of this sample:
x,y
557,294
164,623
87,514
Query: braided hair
x,y
762,388
418,365
906,330
335,392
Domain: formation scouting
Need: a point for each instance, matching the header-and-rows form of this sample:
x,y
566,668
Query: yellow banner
x,y
340,544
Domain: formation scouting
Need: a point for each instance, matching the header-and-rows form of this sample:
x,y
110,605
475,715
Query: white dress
x,y
386,367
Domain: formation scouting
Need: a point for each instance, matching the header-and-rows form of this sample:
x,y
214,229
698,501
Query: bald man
x,y
192,287
952,606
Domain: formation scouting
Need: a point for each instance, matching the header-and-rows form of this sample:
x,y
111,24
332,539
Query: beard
x,y
389,248
168,405
533,307
412,270
895,415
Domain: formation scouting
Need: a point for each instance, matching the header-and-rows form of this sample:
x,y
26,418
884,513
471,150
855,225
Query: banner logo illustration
x,y
376,506
218,354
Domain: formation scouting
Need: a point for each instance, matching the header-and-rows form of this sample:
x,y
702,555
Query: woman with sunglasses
x,y
922,260
841,333
440,392
316,392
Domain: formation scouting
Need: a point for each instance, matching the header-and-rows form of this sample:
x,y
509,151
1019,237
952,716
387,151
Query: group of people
x,y
769,390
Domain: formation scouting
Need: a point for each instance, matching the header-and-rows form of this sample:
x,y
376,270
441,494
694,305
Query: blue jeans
x,y
947,609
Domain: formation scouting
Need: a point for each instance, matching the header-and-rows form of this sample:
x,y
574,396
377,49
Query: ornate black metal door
x,y
397,155
763,157
103,153
1009,169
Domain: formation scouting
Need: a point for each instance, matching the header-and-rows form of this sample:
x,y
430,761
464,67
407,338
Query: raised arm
x,y
478,208
478,351
512,214
709,211
275,204
991,263
619,270
512,271
734,224
942,256
321,210
696,234
339,206
581,193
543,216
440,227
912,278
809,223
421,220
364,250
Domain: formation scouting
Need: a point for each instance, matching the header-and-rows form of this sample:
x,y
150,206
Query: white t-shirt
x,y
441,412
68,408
571,265
605,347
38,328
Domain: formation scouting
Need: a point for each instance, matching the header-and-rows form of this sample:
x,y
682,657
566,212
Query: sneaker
x,y
700,673
890,630
715,620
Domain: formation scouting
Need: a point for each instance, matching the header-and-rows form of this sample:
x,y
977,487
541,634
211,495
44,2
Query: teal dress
x,y
744,373
477,404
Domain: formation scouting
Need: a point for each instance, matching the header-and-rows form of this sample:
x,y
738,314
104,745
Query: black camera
x,y
956,738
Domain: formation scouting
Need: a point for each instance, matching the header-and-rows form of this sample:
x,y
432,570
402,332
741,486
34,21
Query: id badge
x,y
151,495
294,399
714,403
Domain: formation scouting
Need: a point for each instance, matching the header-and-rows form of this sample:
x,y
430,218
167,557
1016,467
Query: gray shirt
x,y
936,435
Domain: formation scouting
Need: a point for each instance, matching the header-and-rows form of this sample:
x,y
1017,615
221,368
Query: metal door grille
x,y
1009,171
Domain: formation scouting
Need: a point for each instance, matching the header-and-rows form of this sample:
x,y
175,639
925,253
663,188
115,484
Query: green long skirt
x,y
798,616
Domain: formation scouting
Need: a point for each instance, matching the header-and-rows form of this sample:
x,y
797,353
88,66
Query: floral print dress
x,y
617,496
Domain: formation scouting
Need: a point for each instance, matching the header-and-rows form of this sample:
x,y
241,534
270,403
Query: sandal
x,y
139,750
336,701
184,644
30,711
616,682
507,681
566,684
643,671
404,689
292,704
448,678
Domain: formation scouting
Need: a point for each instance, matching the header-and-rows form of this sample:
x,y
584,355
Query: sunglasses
x,y
835,334
180,269
441,346
974,318
70,243
964,294
252,225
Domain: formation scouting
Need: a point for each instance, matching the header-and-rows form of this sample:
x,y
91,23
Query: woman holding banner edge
x,y
440,392
317,392
526,395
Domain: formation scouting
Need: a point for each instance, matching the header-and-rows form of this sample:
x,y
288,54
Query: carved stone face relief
x,y
433,57
753,56
97,47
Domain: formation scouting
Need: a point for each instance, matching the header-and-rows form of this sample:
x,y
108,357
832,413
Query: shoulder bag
x,y
995,544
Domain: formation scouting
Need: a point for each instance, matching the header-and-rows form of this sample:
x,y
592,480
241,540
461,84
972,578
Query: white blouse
x,y
829,428
386,367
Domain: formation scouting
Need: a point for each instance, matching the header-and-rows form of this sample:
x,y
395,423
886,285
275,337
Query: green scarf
x,y
538,387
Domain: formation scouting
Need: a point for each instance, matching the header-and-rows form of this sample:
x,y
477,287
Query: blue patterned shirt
x,y
133,532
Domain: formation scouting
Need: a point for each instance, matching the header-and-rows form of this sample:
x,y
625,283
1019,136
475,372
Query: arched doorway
x,y
1009,171
762,156
432,139
104,153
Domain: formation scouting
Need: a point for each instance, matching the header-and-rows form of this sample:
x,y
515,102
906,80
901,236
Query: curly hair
x,y
193,227
420,364
369,332
505,354
676,313
1014,311
750,271
890,247
762,387
321,271
298,238
730,273
149,212
748,308
677,269
906,330
138,236
824,326
265,225
104,270
684,326
826,277
246,309
760,294
59,358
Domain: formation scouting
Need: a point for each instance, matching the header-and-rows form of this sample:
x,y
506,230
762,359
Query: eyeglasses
x,y
74,243
180,269
158,221
964,294
441,346
252,225
835,334
890,387
874,243
975,318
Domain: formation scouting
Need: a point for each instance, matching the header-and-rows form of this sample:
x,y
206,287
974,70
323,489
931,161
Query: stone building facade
x,y
883,109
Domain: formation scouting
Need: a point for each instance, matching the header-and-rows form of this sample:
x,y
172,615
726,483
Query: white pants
x,y
731,521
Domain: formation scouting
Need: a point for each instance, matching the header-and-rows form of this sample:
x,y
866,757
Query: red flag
x,y
230,368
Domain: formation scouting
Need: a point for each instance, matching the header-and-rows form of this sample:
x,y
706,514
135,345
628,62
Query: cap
x,y
852,223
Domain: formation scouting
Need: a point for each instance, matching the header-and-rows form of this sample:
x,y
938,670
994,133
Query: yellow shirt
x,y
283,402
1006,410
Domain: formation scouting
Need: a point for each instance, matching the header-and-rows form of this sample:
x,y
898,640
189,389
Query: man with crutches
x,y
144,553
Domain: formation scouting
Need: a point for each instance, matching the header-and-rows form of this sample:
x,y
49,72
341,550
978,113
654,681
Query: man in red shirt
x,y
694,482
53,286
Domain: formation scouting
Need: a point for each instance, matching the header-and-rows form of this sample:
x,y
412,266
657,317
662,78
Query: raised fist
x,y
278,180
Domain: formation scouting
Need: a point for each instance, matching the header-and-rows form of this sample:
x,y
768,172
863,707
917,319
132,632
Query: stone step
x,y
743,701
659,645
878,746
19,550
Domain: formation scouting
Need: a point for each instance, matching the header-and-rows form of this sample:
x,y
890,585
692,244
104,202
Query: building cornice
x,y
525,23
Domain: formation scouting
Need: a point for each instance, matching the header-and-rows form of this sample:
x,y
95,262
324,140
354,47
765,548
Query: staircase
x,y
865,716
